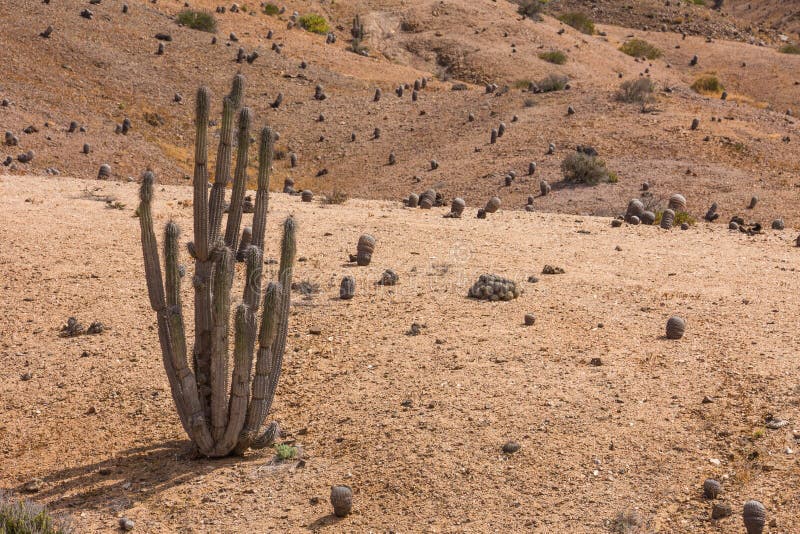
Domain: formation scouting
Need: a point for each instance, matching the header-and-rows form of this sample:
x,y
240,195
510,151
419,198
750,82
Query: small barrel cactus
x,y
388,278
244,244
457,207
87,148
501,129
675,327
427,199
105,172
341,500
364,250
288,186
494,288
378,94
531,168
493,137
376,133
493,205
677,202
778,224
695,124
392,158
712,215
306,195
347,289
667,219
753,202
413,200
635,208
647,217
530,319
755,517
634,220
434,164
293,159
711,488
482,215
544,188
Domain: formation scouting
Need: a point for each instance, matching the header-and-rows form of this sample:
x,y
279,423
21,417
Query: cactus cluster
x,y
221,422
492,287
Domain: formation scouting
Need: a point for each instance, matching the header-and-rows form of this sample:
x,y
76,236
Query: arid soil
x,y
415,424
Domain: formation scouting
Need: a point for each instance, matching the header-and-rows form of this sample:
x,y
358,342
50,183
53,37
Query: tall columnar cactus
x,y
221,421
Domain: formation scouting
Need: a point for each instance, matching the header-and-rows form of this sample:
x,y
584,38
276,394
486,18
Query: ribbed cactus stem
x,y
237,91
265,153
181,380
223,279
222,172
239,180
257,409
244,326
201,175
172,282
252,283
288,251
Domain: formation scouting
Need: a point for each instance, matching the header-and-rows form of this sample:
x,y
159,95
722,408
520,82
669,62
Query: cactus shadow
x,y
130,476
324,521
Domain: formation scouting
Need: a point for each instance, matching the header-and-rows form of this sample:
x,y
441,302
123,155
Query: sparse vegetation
x,y
314,23
580,168
579,21
197,20
271,9
680,218
554,56
708,84
531,8
285,452
553,82
21,516
641,48
639,91
522,84
789,49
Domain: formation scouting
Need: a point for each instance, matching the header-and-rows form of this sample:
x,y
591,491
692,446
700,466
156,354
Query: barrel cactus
x,y
427,199
364,250
493,205
105,172
753,202
647,217
494,288
457,207
711,488
306,195
667,219
347,289
677,202
755,517
544,188
341,500
219,422
635,209
675,328
413,200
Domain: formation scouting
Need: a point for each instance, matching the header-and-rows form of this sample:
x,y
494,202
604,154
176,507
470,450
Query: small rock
x,y
597,362
720,510
33,486
315,331
126,524
530,319
511,447
549,269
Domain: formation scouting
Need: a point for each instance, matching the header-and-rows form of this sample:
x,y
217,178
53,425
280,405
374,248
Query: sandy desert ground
x,y
415,424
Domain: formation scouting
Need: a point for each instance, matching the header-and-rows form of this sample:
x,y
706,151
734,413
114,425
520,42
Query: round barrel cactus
x,y
667,219
413,200
711,488
347,289
457,207
493,205
675,327
755,517
677,202
306,195
341,500
364,250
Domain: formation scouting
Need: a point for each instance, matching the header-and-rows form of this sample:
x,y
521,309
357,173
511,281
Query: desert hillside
x,y
97,72
611,417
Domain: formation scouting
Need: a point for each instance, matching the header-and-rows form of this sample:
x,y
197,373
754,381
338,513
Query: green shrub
x,y
314,23
522,84
285,452
584,169
707,84
553,82
639,91
554,56
789,49
271,9
335,197
26,517
531,8
197,20
579,21
641,48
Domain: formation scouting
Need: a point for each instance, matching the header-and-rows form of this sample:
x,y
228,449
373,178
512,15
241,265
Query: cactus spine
x,y
221,418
